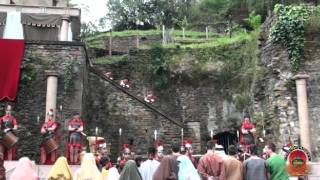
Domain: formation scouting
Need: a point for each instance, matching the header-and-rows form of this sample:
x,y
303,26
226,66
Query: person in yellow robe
x,y
60,169
88,169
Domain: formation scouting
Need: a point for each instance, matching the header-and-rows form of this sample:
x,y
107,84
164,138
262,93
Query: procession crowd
x,y
178,165
181,164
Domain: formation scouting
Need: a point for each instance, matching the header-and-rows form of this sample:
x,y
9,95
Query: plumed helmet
x,y
50,112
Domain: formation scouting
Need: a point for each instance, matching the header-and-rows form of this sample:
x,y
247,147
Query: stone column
x,y
301,84
195,135
52,86
64,28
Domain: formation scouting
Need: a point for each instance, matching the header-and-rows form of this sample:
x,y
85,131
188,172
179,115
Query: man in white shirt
x,y
148,168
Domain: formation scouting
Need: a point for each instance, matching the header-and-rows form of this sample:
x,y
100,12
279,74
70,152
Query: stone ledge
x,y
67,43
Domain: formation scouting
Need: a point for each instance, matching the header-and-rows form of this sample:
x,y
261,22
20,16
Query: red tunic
x,y
48,159
13,150
247,139
74,123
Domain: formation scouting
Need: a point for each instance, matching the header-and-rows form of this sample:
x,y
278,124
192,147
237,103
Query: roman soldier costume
x,y
49,145
8,123
159,155
246,133
125,156
74,146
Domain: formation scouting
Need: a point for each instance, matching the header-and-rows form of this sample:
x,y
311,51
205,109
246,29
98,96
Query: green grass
x,y
194,39
97,41
223,40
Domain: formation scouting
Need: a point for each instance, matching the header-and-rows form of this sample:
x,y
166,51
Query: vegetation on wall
x,y
230,65
68,74
159,67
289,30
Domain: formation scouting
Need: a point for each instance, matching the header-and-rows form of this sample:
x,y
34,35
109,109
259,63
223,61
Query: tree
x,y
124,14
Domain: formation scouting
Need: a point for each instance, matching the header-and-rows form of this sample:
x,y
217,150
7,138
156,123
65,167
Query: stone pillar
x,y
64,28
301,84
195,135
52,87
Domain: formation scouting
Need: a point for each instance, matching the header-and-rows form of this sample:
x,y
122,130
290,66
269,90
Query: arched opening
x,y
226,139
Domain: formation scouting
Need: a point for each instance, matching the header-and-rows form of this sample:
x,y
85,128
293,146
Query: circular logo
x,y
298,158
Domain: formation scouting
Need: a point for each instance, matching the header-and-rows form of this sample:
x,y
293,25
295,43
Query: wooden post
x,y
110,43
163,34
183,33
207,35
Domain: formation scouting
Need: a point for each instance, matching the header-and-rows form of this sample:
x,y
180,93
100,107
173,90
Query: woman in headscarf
x,y
25,170
187,171
130,171
60,169
166,170
88,169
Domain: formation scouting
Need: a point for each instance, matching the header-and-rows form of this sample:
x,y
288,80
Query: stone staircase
x,y
133,96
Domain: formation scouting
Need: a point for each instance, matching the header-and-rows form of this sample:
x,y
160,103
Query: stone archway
x,y
226,139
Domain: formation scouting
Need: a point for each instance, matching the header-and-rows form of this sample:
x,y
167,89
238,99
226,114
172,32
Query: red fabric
x,y
11,54
246,125
46,158
7,118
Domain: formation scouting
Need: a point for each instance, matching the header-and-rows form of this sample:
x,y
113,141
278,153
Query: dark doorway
x,y
225,139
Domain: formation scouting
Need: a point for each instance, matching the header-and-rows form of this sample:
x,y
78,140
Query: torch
x,y
181,135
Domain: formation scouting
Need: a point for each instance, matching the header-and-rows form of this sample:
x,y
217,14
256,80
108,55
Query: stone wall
x,y
200,103
124,44
275,100
69,59
111,109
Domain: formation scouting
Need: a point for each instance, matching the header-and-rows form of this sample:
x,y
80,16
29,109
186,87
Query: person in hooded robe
x,y
187,171
130,171
88,169
25,170
166,170
60,170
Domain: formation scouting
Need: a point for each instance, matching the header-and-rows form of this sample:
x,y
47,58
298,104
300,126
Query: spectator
x,y
232,166
254,168
276,165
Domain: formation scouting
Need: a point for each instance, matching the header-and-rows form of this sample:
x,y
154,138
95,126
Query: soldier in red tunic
x,y
8,123
74,146
125,156
160,154
49,145
246,133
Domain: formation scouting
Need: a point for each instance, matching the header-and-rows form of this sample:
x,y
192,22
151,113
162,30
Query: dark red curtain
x,y
11,54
